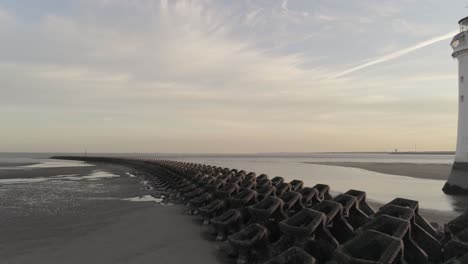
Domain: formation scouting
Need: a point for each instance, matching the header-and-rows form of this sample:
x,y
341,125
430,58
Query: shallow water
x,y
39,163
57,164
48,193
94,175
324,157
379,187
144,198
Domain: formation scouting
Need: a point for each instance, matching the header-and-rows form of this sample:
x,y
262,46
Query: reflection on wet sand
x,y
379,187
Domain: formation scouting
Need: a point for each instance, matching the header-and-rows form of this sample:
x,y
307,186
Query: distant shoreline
x,y
415,170
189,154
425,152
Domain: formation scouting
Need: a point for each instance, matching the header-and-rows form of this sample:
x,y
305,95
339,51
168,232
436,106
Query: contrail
x,y
397,54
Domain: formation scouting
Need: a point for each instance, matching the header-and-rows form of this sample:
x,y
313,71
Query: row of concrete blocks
x,y
343,229
271,221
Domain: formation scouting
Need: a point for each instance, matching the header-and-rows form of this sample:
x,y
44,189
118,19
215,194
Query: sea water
x,y
378,186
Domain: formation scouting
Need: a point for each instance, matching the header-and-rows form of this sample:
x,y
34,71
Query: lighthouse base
x,y
457,183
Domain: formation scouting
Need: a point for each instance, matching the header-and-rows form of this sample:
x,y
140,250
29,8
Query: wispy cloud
x,y
396,54
201,75
326,18
251,18
284,5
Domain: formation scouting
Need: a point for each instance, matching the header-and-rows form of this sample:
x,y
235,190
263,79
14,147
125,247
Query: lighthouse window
x,y
462,98
464,26
462,79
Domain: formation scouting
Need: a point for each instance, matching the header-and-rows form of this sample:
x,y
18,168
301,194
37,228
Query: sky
x,y
227,76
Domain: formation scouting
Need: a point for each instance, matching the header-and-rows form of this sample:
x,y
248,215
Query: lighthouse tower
x,y
458,180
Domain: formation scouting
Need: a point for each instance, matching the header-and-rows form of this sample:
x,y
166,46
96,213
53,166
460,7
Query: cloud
x,y
76,74
252,17
433,77
290,15
183,75
396,54
326,18
284,5
403,26
383,9
180,47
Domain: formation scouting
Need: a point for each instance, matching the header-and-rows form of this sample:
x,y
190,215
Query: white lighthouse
x,y
458,180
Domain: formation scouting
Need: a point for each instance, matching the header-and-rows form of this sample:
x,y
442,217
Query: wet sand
x,y
421,171
143,234
88,221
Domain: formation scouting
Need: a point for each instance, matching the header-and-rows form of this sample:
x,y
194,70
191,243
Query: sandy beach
x,y
90,220
144,233
422,171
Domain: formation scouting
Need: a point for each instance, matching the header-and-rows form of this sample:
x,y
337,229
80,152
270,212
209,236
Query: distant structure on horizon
x,y
457,182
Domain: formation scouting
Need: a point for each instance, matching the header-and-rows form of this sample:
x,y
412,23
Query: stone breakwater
x,y
259,219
